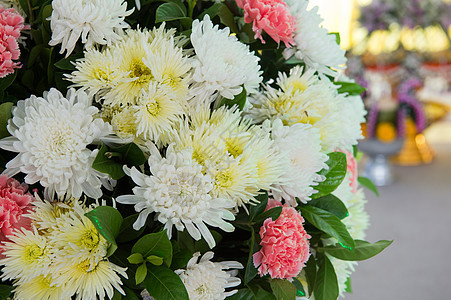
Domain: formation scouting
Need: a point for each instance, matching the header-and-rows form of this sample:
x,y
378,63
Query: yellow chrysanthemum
x,y
156,112
96,73
76,238
27,256
124,123
42,288
91,281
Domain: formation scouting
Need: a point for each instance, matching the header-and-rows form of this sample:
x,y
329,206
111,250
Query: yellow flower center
x,y
100,74
298,86
153,108
235,145
86,266
90,239
224,179
33,253
140,71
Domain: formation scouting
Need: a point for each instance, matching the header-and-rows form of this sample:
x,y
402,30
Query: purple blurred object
x,y
406,95
372,121
415,14
376,16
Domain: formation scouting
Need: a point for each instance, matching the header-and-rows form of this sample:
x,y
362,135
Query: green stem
x,y
31,12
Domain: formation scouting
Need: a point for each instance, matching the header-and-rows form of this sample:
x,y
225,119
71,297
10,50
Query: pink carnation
x,y
285,245
352,170
272,16
14,202
11,24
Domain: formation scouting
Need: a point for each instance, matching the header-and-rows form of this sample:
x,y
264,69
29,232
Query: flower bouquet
x,y
177,150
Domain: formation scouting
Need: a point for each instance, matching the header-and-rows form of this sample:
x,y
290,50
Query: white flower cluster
x,y
96,22
51,135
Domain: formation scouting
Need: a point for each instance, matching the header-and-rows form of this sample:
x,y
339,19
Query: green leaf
x,y
272,213
334,175
5,115
131,154
67,64
202,245
326,286
243,294
264,295
227,18
164,284
155,260
283,289
46,12
107,220
112,160
337,37
117,295
24,5
135,258
129,294
5,82
331,204
255,210
294,61
212,11
169,12
362,250
157,244
348,284
366,182
299,287
328,223
5,291
180,258
141,273
127,233
239,100
251,270
107,165
310,273
351,88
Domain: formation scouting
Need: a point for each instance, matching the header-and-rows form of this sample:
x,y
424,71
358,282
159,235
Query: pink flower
x,y
285,245
352,170
272,16
11,24
14,202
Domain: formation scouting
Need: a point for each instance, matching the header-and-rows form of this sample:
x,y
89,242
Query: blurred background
x,y
400,51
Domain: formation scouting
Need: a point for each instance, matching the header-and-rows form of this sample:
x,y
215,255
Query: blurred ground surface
x,y
415,212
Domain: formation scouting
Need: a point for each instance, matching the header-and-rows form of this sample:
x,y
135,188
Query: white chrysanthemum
x,y
302,144
180,194
26,256
207,280
306,98
223,66
96,22
41,287
314,44
51,135
156,112
90,282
